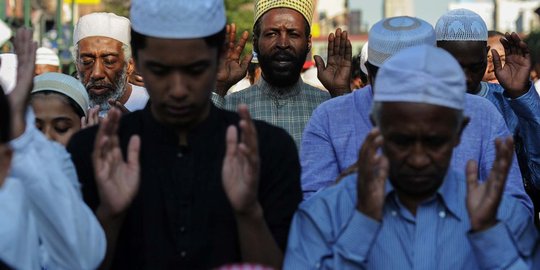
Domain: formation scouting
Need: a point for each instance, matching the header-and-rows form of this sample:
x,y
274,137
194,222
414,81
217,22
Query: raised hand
x,y
240,173
514,76
117,180
25,49
118,105
372,173
92,119
336,75
231,69
483,199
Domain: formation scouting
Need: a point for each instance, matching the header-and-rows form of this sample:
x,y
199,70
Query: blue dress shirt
x,y
329,233
338,127
522,115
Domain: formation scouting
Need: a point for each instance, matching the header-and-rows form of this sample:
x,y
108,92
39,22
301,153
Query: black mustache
x,y
283,56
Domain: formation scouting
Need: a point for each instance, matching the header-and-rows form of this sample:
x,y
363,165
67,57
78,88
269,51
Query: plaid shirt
x,y
289,108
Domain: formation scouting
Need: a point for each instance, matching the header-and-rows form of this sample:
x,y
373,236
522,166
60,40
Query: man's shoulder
x,y
340,195
310,90
251,91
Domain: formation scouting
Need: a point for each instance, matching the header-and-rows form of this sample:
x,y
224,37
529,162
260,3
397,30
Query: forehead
x,y
465,49
416,117
106,44
282,16
177,52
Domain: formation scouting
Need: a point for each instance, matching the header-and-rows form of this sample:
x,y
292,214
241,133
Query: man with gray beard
x,y
103,59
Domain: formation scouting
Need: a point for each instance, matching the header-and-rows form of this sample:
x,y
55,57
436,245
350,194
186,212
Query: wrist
x,y
252,213
481,226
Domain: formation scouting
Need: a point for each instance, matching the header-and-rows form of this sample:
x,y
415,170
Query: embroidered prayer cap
x,y
363,58
424,74
304,7
8,71
5,32
179,19
46,56
461,25
102,24
389,36
63,84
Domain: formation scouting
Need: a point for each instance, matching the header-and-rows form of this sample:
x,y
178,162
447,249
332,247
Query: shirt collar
x,y
450,194
280,92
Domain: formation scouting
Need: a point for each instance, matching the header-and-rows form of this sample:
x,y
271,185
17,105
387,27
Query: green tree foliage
x,y
241,13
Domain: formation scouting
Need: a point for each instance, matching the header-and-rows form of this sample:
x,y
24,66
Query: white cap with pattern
x,y
422,74
178,19
461,25
389,36
101,24
8,71
363,58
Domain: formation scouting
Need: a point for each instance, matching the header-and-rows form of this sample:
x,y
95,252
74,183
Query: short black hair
x,y
5,118
138,41
494,33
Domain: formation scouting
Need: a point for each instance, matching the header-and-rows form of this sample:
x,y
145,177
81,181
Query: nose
x,y
178,88
47,131
97,71
283,41
418,157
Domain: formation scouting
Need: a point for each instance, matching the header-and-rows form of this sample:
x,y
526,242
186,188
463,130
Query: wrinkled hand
x,y
241,166
117,180
336,76
372,173
136,79
92,119
231,69
25,49
483,199
514,76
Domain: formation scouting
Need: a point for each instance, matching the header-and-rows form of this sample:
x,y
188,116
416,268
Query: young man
x,y
103,60
428,216
206,198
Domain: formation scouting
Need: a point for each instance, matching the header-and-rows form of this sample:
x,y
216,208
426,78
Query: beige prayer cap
x,y
102,24
305,7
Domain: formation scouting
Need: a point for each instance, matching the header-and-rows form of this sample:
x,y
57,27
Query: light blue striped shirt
x,y
329,233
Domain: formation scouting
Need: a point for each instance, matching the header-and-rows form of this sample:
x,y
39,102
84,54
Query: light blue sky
x,y
429,10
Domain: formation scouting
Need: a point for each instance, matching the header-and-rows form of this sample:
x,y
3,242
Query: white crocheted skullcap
x,y
5,32
63,84
102,24
461,25
178,19
389,36
46,56
421,74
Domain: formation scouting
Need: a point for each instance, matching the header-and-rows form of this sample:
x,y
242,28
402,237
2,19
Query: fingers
x,y
133,152
331,41
369,148
240,47
343,44
249,132
497,64
471,173
337,42
245,62
319,63
231,141
348,50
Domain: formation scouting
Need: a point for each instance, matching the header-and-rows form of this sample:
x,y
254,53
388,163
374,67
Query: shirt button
x,y
183,254
442,214
317,265
394,213
179,155
182,229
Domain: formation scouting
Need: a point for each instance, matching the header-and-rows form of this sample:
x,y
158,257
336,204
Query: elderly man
x,y
282,40
428,216
103,60
464,34
206,197
338,127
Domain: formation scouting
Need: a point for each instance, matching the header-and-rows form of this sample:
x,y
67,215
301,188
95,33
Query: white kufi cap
x,y
422,74
461,25
46,56
63,84
389,36
363,58
179,19
102,24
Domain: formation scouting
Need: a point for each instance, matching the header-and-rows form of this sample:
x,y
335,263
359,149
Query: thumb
x,y
319,62
471,173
